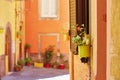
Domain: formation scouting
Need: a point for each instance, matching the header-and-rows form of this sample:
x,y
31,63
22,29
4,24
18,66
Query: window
x,y
48,8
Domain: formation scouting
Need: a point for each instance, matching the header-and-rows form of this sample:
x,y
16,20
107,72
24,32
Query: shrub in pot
x,y
17,68
66,64
55,64
21,63
27,47
28,61
48,56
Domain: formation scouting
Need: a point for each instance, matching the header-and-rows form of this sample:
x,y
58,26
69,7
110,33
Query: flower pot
x,y
84,51
61,66
38,65
28,63
21,66
17,68
55,66
47,65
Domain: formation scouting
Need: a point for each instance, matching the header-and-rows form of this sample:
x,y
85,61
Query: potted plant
x,y
27,47
21,63
82,41
55,64
18,34
66,64
28,61
48,55
17,68
61,61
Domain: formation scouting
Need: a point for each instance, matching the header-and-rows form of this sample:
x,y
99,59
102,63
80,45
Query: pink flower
x,y
78,28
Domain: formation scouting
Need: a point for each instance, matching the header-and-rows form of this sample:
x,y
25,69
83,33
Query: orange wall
x,y
34,25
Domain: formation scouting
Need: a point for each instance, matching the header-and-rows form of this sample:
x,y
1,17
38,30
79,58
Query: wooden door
x,y
78,15
8,48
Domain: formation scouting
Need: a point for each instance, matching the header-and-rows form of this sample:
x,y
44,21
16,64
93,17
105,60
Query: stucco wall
x,y
35,25
7,15
7,19
115,40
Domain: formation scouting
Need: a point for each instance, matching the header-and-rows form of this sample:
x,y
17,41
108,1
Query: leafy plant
x,y
49,53
81,38
27,46
55,64
28,60
17,68
21,62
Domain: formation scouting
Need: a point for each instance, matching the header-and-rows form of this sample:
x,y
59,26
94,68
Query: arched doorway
x,y
8,47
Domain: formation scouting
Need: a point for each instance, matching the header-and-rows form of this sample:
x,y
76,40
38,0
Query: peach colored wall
x,y
34,25
115,40
101,40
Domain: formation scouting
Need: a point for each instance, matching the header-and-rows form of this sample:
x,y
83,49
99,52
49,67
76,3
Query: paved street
x,y
31,73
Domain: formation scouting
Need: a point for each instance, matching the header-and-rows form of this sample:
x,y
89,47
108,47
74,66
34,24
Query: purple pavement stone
x,y
31,73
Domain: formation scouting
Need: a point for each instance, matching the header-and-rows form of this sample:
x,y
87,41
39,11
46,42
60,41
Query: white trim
x,y
48,34
51,11
93,28
108,39
96,35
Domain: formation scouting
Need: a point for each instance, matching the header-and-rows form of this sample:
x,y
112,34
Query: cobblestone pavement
x,y
31,73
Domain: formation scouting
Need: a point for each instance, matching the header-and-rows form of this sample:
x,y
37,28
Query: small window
x,y
48,9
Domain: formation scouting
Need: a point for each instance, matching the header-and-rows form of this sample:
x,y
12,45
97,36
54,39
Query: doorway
x,y
8,53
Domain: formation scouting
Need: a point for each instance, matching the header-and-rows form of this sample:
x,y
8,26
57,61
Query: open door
x,y
79,14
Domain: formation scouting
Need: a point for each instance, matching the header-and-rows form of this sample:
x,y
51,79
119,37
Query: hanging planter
x,y
65,32
18,34
84,51
66,37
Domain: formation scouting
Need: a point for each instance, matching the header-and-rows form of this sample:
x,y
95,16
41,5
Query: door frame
x,y
109,8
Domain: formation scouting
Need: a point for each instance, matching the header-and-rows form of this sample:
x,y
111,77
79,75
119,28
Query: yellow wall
x,y
20,17
7,14
115,40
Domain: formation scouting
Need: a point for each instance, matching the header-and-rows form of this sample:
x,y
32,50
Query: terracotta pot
x,y
21,66
84,51
28,64
55,66
16,69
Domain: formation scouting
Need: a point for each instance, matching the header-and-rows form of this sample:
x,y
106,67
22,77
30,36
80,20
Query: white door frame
x,y
57,35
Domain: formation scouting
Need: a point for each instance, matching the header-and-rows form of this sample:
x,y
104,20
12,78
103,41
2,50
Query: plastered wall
x,y
7,15
115,40
35,25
